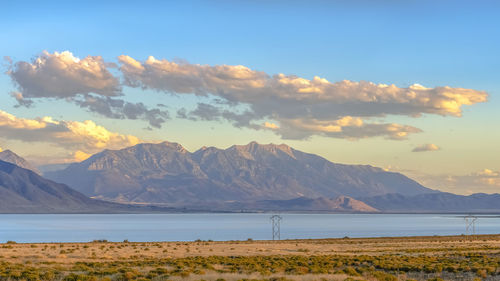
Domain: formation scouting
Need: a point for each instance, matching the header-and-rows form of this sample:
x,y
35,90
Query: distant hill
x,y
436,202
24,191
52,167
11,157
339,204
168,173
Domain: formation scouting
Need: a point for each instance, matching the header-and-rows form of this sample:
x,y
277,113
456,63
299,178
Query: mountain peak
x,y
254,147
146,145
178,147
7,152
10,157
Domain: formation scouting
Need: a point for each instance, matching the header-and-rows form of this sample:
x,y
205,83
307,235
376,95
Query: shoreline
x,y
315,212
300,240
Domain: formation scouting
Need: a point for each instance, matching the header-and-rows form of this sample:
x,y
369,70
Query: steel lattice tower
x,y
470,225
276,220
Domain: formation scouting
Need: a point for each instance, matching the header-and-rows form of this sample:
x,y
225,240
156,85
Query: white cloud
x,y
86,82
298,107
426,147
488,177
347,127
270,125
306,106
62,75
487,173
86,136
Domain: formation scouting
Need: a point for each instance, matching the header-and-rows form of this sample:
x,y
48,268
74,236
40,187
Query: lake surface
x,y
189,227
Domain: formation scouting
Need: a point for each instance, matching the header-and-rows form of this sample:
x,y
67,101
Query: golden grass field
x,y
409,258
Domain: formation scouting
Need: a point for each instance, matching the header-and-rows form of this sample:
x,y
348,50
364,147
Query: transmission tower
x,y
275,221
470,225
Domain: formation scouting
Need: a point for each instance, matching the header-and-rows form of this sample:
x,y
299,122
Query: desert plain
x,y
399,258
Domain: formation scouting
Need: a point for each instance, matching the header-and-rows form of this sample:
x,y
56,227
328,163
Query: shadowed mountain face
x,y
23,191
168,173
11,157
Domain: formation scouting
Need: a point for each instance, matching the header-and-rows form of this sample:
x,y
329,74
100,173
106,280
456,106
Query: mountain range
x,y
165,177
166,173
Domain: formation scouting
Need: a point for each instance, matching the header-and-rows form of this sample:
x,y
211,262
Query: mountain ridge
x,y
167,173
227,180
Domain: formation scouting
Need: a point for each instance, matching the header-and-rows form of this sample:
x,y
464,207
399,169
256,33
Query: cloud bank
x,y
290,106
86,82
298,107
86,137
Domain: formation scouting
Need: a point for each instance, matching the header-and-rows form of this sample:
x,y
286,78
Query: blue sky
x,y
432,43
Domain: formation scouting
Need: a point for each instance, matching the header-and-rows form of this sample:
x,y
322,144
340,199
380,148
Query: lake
x,y
189,227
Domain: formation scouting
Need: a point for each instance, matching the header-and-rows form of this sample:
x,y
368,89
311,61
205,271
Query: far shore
x,y
165,210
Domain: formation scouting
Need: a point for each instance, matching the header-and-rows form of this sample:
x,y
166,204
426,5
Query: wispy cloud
x,y
120,109
426,147
21,101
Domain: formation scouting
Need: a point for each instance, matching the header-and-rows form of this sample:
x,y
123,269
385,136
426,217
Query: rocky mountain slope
x,y
11,157
24,191
166,173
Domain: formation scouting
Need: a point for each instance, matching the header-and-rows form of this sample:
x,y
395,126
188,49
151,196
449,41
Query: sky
x,y
408,86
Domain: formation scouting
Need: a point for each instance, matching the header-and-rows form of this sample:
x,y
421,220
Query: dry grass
x,y
359,258
111,251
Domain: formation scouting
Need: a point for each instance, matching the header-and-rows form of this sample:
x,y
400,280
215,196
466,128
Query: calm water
x,y
189,227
